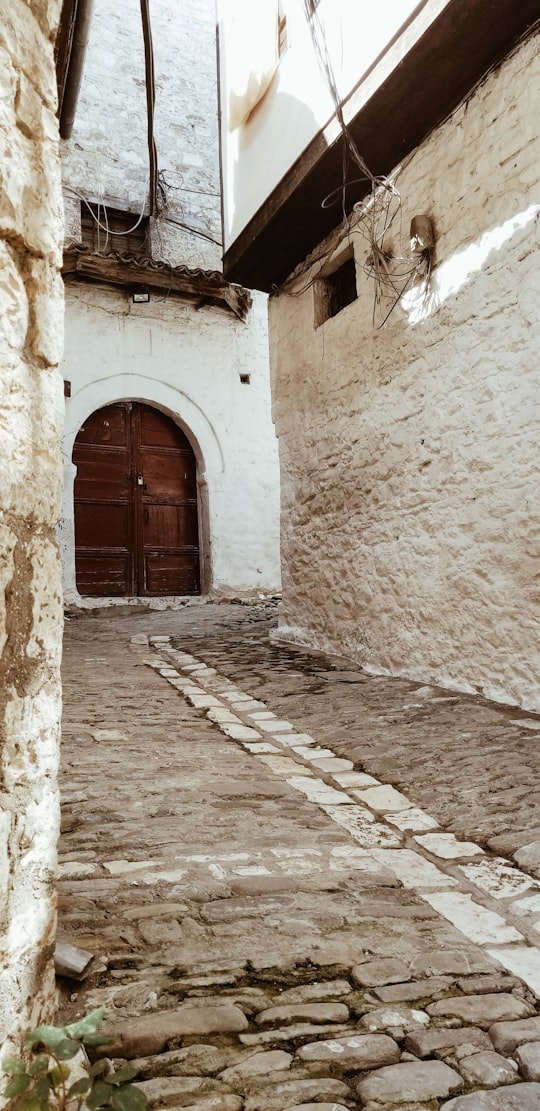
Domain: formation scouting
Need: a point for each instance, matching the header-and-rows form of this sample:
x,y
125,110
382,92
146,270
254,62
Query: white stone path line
x,y
383,821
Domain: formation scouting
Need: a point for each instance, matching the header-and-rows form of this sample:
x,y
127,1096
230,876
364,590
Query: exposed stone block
x,y
411,1080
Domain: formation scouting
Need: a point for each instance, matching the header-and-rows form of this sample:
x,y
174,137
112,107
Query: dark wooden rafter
x,y
137,273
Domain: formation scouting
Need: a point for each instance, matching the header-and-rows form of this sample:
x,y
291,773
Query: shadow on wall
x,y
280,127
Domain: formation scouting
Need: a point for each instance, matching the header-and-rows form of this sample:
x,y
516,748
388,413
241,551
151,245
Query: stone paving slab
x,y
255,951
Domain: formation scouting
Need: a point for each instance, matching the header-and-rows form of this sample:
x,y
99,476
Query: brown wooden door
x,y
136,528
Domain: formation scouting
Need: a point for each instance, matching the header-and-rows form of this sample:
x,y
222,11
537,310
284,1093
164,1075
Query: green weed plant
x,y
40,1080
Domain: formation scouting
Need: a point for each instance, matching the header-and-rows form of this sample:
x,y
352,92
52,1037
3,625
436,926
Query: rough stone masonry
x,y
274,929
409,452
31,332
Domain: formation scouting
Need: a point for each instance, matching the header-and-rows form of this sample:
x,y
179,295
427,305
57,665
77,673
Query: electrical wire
x,y
193,231
99,204
150,105
373,218
104,226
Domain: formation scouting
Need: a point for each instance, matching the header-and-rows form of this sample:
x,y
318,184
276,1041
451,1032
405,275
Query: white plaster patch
x,y
530,905
314,754
330,764
217,871
236,696
413,870
383,798
413,819
281,765
202,701
239,732
108,735
316,791
276,726
476,922
75,871
218,715
356,779
523,961
447,846
123,867
253,704
263,746
173,876
185,686
293,738
361,825
344,857
497,878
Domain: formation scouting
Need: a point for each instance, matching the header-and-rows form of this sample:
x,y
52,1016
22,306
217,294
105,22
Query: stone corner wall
x,y
31,413
409,452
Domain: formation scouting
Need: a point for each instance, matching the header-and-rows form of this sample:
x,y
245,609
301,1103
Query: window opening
x,y
105,229
335,291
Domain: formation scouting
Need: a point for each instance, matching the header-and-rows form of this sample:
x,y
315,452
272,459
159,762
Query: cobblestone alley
x,y
305,887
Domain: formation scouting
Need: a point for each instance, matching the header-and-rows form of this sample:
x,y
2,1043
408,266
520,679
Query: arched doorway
x,y
136,524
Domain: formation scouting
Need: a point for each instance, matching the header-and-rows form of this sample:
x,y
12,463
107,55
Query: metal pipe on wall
x,y
81,35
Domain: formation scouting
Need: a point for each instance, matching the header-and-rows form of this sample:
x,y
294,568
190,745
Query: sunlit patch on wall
x,y
451,276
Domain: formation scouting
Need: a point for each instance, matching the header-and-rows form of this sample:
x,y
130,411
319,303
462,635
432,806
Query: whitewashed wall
x,y
409,454
30,484
188,364
186,361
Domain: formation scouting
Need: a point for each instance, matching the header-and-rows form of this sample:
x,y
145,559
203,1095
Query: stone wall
x,y
409,453
107,154
31,410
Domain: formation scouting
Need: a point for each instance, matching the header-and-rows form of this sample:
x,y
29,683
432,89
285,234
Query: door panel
x,y
109,426
103,575
136,525
104,557
103,476
110,521
169,475
168,555
166,574
170,526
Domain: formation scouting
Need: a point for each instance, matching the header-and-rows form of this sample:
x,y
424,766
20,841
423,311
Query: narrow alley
x,y
305,887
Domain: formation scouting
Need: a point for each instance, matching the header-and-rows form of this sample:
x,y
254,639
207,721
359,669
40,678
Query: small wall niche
x,y
335,290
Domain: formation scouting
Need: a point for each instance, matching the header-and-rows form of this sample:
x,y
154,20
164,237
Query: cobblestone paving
x,y
273,929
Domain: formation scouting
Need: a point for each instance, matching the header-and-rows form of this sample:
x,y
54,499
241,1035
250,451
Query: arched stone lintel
x,y
173,402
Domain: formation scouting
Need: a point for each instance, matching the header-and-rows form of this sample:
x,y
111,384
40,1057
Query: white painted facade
x,y
409,453
187,361
297,103
187,364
